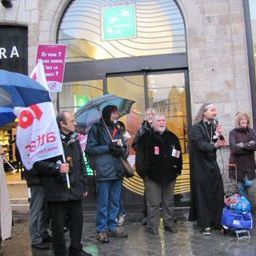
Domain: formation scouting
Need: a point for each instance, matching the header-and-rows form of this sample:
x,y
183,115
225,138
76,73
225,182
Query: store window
x,y
96,30
76,94
105,42
14,48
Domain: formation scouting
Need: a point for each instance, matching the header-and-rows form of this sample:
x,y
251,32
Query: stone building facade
x,y
216,47
216,42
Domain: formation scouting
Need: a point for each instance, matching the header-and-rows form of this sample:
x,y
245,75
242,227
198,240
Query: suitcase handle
x,y
235,169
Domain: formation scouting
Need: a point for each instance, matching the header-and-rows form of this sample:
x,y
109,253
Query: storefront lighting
x,y
6,3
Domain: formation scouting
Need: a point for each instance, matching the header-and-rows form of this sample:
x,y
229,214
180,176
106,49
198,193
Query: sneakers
x,y
152,231
121,220
206,231
102,237
172,229
119,232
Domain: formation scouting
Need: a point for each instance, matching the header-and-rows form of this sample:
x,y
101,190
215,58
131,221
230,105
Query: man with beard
x,y
207,193
160,162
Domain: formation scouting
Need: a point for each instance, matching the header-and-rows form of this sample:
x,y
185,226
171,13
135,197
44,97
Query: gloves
x,y
115,151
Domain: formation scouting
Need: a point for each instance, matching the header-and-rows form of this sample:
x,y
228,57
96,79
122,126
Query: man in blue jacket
x,y
105,144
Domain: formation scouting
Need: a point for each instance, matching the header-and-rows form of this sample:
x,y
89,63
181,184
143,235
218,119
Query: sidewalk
x,y
188,242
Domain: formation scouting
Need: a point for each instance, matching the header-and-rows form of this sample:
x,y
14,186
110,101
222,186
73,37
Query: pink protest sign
x,y
53,57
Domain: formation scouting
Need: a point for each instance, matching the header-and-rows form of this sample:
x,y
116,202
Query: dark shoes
x,y
40,246
47,239
119,232
144,221
83,253
152,231
172,229
102,237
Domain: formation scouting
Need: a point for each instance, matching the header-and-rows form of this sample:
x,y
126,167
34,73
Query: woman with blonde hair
x,y
242,141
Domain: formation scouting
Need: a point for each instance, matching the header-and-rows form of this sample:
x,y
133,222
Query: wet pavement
x,y
187,242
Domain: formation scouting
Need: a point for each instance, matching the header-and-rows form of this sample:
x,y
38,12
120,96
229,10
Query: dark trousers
x,y
156,194
73,211
39,215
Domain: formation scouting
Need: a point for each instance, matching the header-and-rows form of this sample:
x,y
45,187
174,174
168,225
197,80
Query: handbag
x,y
128,170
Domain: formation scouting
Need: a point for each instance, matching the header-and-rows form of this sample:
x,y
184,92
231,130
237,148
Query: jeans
x,y
108,204
121,210
242,186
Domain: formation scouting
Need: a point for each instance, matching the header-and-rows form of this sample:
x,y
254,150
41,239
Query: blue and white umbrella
x,y
18,90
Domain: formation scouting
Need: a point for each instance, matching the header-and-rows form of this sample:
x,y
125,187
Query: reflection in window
x,y
95,30
130,87
76,94
167,95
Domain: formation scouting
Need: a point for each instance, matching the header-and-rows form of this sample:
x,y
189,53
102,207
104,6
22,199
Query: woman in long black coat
x,y
207,193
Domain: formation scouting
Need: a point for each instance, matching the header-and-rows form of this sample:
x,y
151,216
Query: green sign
x,y
118,22
80,100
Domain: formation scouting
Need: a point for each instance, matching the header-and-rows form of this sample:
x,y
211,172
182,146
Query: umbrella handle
x,y
7,162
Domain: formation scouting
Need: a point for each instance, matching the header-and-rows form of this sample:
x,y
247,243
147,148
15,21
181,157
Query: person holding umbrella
x,y
106,145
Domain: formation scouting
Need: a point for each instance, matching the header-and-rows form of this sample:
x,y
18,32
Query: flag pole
x,y
67,176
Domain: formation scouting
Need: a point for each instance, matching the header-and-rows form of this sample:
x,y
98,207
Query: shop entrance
x,y
166,90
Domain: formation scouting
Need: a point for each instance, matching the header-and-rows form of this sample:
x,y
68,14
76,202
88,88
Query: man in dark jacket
x,y
146,126
39,218
65,202
160,163
105,144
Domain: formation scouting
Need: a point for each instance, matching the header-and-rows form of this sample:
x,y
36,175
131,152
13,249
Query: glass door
x,y
166,92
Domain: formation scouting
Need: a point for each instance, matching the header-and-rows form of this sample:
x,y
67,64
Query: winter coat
x,y
242,157
145,127
32,178
54,182
107,166
154,156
